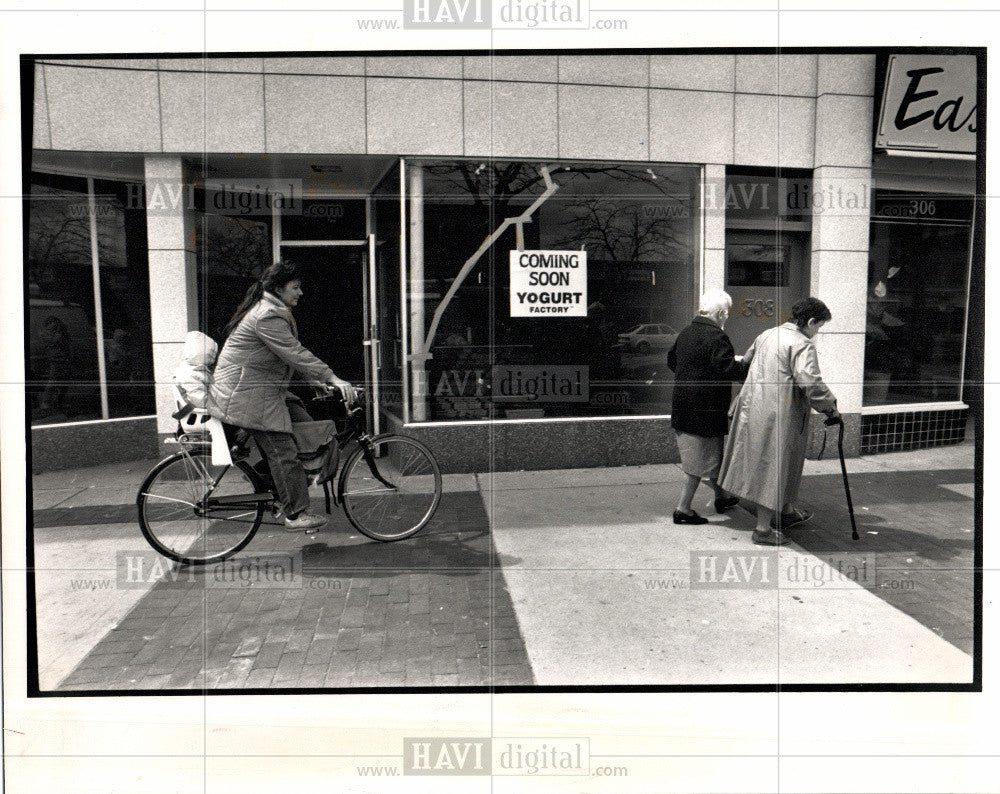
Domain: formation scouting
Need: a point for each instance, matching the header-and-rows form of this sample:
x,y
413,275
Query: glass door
x,y
334,316
766,274
337,316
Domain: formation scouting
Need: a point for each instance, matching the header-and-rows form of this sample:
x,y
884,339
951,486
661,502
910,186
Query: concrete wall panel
x,y
103,109
840,280
843,194
238,65
315,114
846,74
773,131
440,66
212,112
414,116
603,123
166,357
693,72
519,68
678,124
788,75
41,136
107,63
715,269
841,361
630,70
843,131
511,120
319,65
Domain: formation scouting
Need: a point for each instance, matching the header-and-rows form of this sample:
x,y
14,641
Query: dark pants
x,y
281,463
281,456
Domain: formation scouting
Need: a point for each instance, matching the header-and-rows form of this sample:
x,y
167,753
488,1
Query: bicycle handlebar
x,y
327,392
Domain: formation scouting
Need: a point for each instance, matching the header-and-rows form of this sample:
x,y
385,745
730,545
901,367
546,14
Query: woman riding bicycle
x,y
250,388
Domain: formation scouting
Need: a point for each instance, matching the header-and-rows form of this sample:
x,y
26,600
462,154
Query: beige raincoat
x,y
769,419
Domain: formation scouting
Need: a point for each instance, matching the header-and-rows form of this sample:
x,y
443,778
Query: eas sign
x,y
929,104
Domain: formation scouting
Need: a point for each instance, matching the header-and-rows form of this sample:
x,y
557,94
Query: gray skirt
x,y
700,456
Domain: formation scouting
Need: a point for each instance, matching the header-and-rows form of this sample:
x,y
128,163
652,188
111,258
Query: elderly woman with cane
x,y
766,447
705,366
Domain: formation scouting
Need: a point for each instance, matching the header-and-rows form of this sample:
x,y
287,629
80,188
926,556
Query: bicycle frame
x,y
354,431
187,443
214,497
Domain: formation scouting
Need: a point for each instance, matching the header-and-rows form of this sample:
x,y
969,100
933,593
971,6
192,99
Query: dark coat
x,y
705,366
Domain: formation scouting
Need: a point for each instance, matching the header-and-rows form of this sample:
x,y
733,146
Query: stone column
x,y
840,224
418,300
173,293
713,236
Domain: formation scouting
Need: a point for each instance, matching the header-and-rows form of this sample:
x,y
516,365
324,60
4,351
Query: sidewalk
x,y
611,595
552,578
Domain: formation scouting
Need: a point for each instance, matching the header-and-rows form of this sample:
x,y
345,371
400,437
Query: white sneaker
x,y
305,521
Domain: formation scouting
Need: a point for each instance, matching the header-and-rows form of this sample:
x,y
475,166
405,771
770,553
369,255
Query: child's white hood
x,y
200,351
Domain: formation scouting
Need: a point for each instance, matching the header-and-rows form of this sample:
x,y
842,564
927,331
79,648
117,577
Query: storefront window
x,y
917,297
331,218
64,381
124,267
636,225
232,252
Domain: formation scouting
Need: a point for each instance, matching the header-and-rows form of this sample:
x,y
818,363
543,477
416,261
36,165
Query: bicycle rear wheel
x,y
394,493
178,513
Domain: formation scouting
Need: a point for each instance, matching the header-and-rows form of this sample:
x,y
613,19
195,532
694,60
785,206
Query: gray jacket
x,y
256,364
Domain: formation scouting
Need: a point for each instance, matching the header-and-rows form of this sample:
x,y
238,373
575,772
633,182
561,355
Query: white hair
x,y
713,301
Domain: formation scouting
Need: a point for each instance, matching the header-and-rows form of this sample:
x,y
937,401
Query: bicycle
x,y
204,503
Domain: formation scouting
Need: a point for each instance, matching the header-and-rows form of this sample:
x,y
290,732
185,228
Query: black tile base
x,y
896,432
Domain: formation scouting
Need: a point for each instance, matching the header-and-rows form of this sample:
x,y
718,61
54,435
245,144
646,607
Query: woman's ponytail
x,y
274,278
254,294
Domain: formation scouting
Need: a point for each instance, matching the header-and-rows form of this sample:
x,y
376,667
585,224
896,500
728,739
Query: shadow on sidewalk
x,y
916,537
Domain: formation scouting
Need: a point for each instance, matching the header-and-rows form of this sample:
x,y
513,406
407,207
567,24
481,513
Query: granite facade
x,y
71,446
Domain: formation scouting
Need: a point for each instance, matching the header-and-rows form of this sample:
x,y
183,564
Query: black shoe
x,y
684,518
724,503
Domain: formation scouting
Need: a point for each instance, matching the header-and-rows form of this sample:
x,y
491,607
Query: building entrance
x,y
330,315
766,274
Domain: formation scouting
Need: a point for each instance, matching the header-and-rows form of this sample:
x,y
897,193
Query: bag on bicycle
x,y
318,449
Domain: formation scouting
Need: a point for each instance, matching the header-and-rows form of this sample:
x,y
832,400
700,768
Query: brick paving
x,y
430,611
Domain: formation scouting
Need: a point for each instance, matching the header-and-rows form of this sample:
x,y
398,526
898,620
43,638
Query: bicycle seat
x,y
193,421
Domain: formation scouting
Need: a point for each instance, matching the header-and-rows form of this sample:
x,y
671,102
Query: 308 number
x,y
757,308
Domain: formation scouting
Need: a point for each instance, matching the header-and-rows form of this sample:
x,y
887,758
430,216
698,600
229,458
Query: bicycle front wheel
x,y
183,509
393,493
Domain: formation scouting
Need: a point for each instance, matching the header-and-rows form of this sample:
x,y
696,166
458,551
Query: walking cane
x,y
843,470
